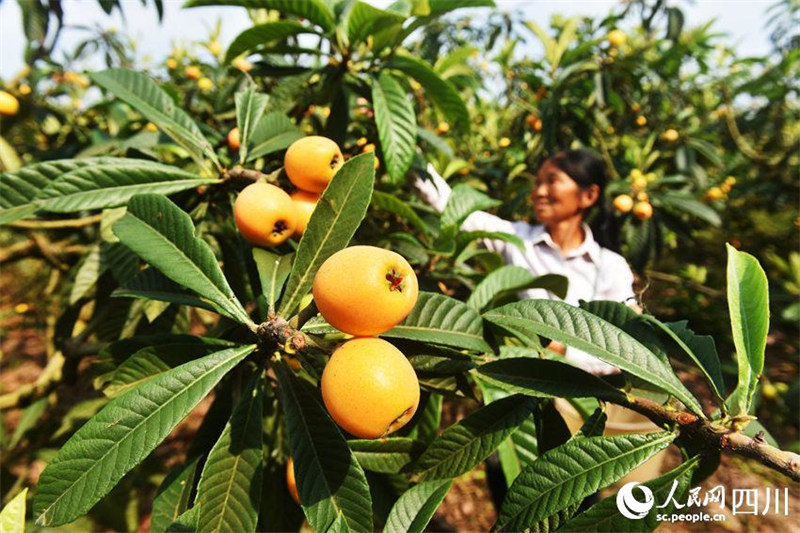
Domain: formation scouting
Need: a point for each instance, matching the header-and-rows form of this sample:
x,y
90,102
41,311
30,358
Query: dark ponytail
x,y
587,169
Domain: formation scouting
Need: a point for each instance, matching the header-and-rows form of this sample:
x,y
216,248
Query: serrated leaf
x,y
263,34
699,348
414,509
397,124
122,434
446,98
19,188
338,214
471,440
364,19
565,475
12,517
331,484
443,320
274,132
229,491
579,328
151,284
400,208
748,305
316,11
513,278
273,269
520,448
142,93
152,361
463,201
250,107
388,455
605,516
544,378
163,235
103,186
173,496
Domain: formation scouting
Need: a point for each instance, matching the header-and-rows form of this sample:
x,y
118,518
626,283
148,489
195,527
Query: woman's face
x,y
556,196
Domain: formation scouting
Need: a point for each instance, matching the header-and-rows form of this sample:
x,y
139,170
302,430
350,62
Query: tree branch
x,y
715,436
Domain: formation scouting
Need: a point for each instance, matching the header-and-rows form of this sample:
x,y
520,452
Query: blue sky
x,y
742,20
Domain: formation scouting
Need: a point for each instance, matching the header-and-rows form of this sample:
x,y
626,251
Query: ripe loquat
x,y
304,203
9,105
623,203
617,37
369,388
365,290
234,139
643,210
264,214
291,482
311,162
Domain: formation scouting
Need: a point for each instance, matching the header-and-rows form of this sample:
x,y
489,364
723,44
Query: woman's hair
x,y
587,169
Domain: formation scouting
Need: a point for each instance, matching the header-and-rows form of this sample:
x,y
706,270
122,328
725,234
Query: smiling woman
x,y
567,186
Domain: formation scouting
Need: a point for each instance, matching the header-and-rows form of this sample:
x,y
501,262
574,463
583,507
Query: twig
x,y
715,293
713,435
249,175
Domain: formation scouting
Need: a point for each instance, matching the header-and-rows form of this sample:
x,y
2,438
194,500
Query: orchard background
x,y
707,136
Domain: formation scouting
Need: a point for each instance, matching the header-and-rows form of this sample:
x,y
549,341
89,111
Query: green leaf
x,y
441,92
579,328
273,269
316,11
335,219
387,456
397,124
88,272
364,20
173,497
700,348
185,523
544,378
513,278
19,188
274,132
748,305
520,448
250,107
122,434
463,201
229,491
35,18
685,203
567,474
468,442
263,34
12,517
440,7
103,186
142,93
605,515
463,238
424,426
443,320
27,421
400,208
151,284
152,361
163,235
331,484
414,509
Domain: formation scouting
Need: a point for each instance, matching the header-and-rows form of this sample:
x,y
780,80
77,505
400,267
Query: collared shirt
x,y
594,272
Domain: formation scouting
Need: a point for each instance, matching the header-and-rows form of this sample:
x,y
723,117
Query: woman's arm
x,y
436,192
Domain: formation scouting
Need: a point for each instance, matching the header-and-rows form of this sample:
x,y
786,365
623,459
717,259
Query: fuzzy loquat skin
x,y
369,388
365,290
264,214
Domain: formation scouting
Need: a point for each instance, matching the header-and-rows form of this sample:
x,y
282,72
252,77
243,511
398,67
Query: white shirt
x,y
594,272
